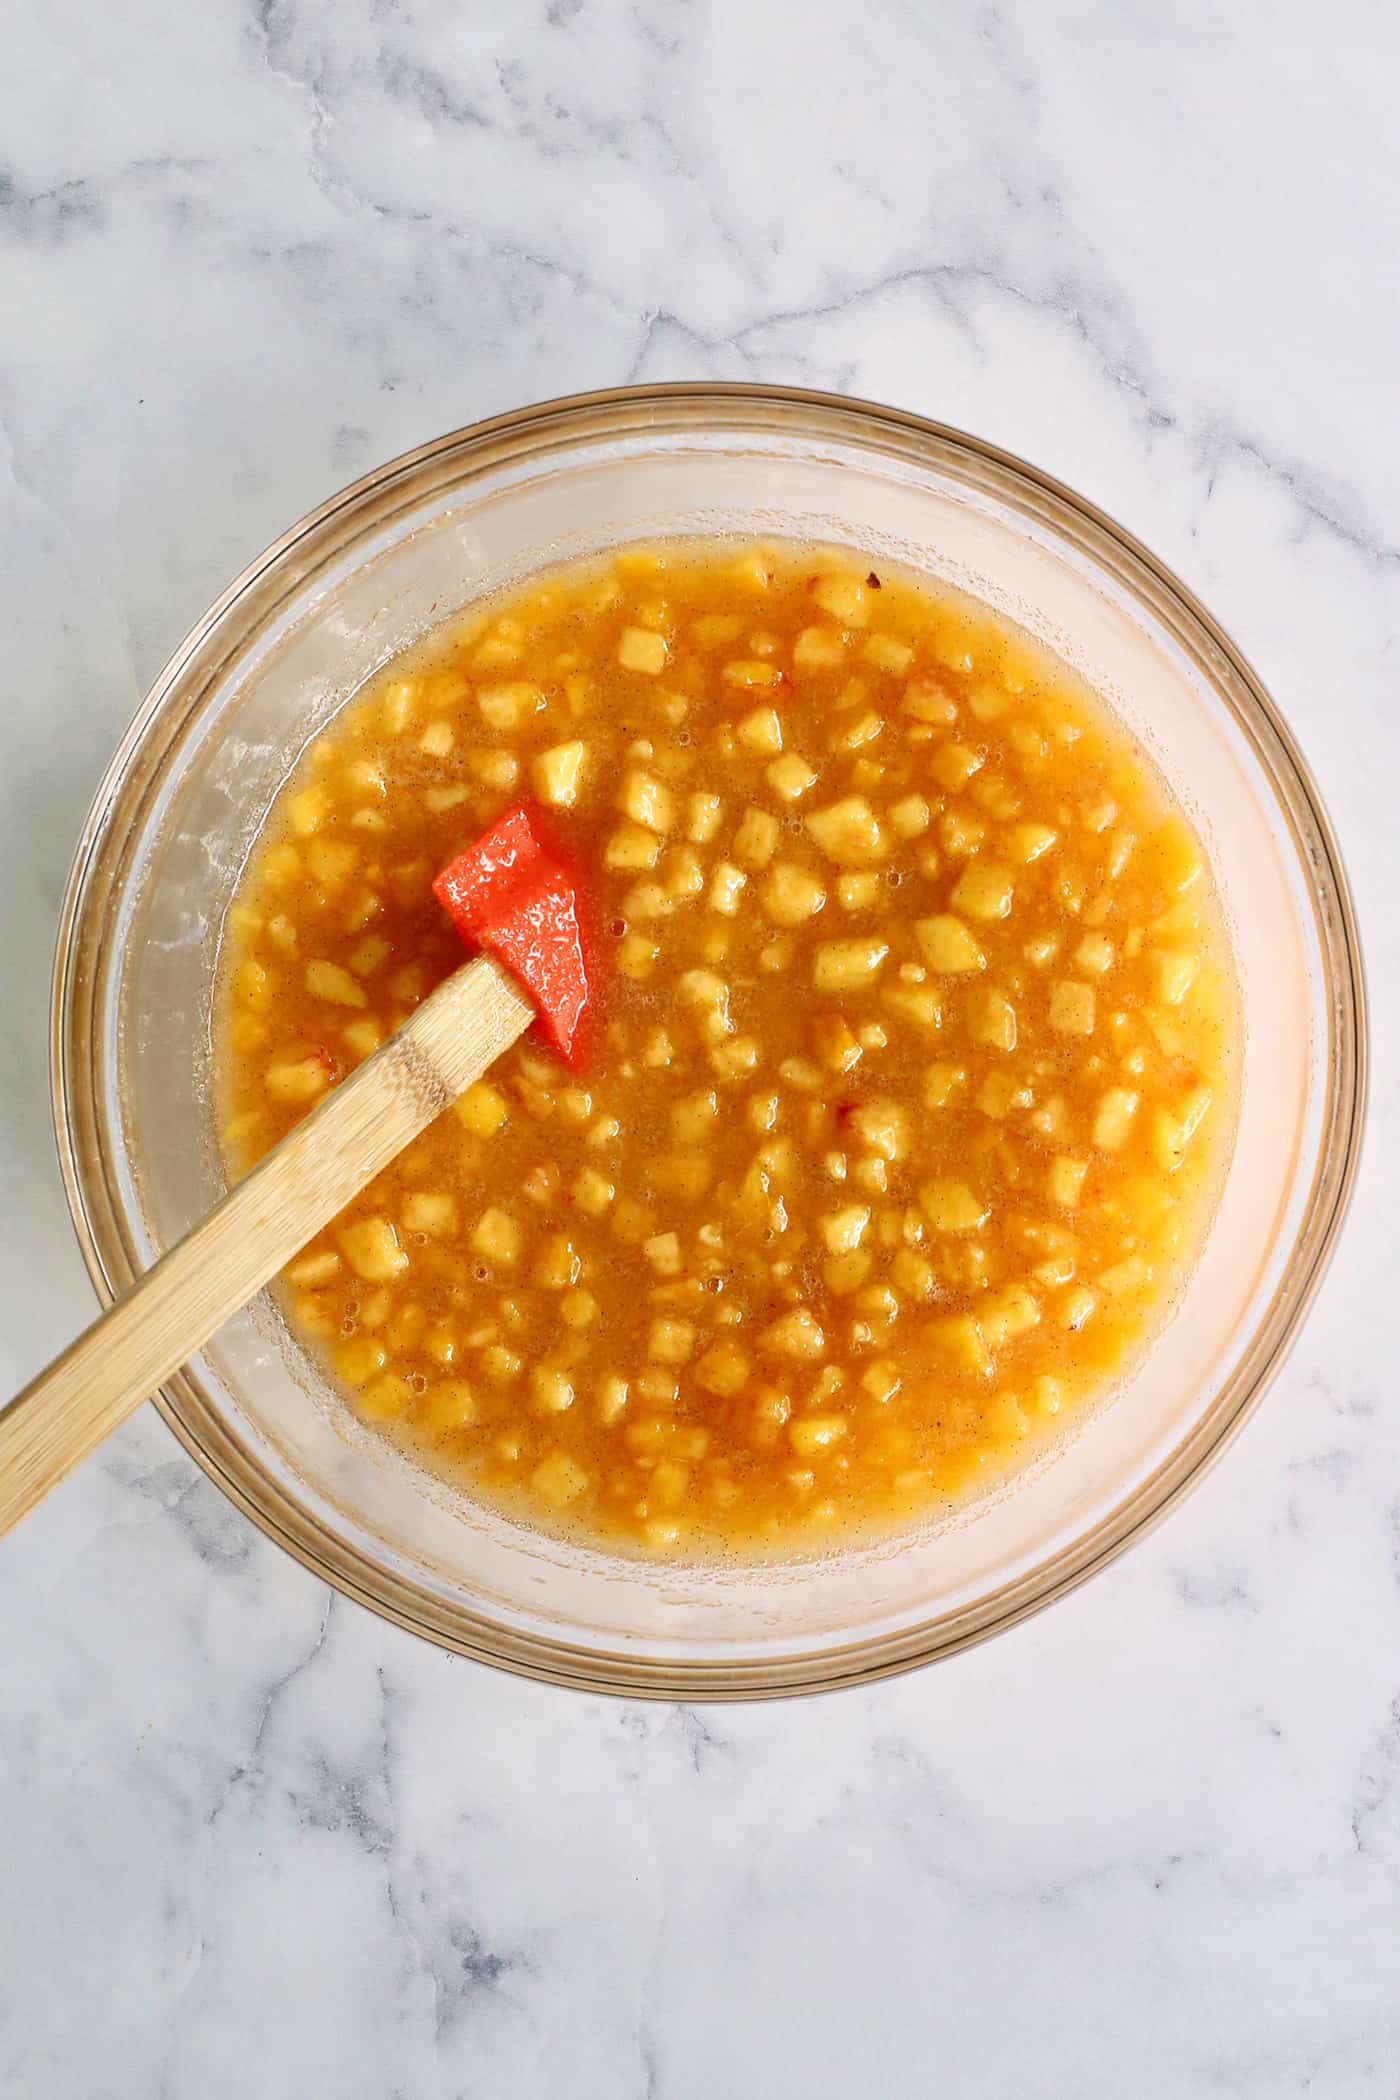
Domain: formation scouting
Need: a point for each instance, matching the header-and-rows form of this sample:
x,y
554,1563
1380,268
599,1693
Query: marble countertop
x,y
255,1841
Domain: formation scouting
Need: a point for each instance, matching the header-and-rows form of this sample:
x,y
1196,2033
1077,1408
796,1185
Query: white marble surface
x,y
253,1841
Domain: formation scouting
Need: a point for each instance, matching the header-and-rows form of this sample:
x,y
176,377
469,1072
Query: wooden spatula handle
x,y
444,1045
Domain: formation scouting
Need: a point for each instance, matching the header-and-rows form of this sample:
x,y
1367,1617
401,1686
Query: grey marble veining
x,y
255,1841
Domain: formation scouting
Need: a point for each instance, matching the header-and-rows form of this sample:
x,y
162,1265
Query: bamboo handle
x,y
443,1046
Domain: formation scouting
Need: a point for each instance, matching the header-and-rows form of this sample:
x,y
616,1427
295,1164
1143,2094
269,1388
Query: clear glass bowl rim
x,y
97,1205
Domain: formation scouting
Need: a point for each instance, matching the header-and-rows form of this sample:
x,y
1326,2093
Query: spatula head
x,y
509,895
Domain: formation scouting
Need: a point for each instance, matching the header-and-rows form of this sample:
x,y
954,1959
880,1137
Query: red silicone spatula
x,y
515,904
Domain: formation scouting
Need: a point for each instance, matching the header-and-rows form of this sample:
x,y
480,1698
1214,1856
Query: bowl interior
x,y
286,649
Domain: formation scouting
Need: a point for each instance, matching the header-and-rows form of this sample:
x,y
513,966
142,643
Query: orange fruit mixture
x,y
910,1090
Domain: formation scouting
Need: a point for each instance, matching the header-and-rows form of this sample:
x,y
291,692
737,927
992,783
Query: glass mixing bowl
x,y
351,585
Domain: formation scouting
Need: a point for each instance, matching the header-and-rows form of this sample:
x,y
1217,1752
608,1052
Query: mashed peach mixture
x,y
910,1089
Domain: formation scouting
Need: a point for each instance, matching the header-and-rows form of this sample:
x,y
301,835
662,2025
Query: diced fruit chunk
x,y
1066,1181
843,1230
726,889
887,653
306,811
497,1237
434,1214
790,776
942,1084
1173,974
671,1341
910,817
844,597
1172,1133
792,894
636,956
951,1206
843,966
559,1479
1175,856
508,706
984,890
640,649
551,1389
991,1019
1072,1007
703,822
593,1192
297,1079
762,731
756,838
960,1341
330,981
947,945
818,649
1027,842
953,765
747,672
558,774
849,831
482,1109
646,802
723,1370
797,1334
882,1126
813,1434
371,1247
1113,1119
1007,1313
